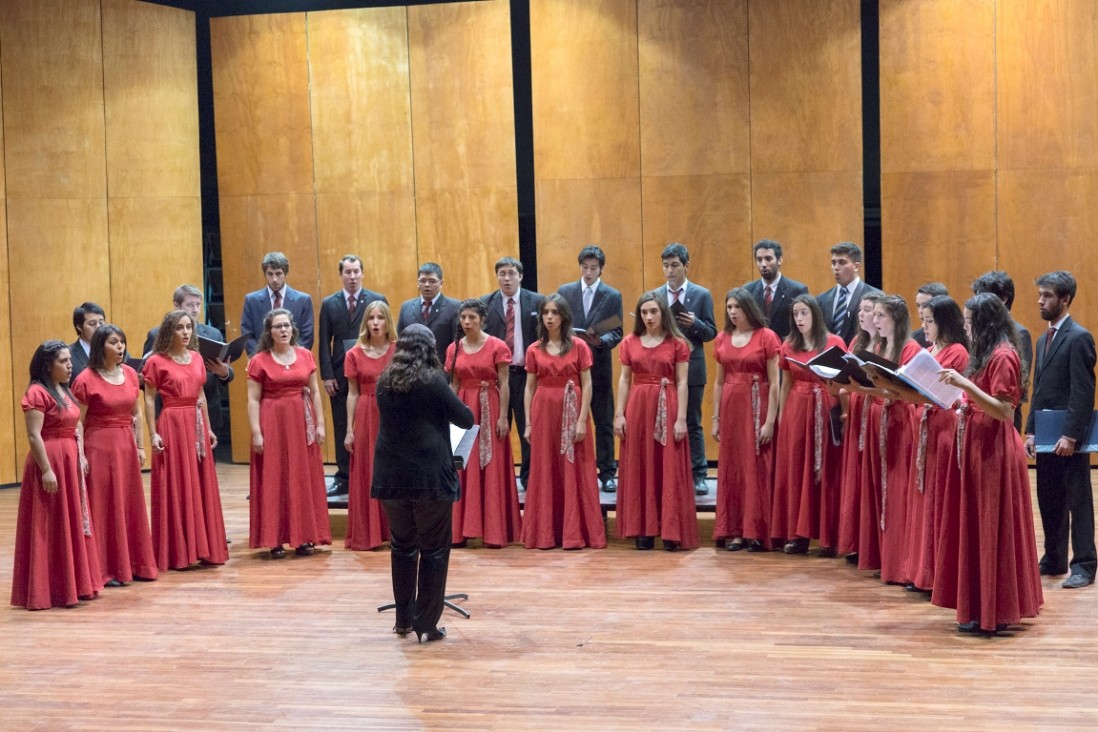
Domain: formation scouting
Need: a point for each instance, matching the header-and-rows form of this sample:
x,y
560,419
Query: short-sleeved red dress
x,y
489,505
116,493
56,563
986,564
288,502
806,462
655,483
562,494
745,465
187,523
367,526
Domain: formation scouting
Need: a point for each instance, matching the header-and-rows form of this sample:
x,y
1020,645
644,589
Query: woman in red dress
x,y
367,527
188,527
562,495
806,464
56,564
655,483
478,365
288,503
986,566
109,393
856,429
745,400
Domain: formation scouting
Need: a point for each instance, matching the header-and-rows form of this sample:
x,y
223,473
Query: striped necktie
x,y
840,311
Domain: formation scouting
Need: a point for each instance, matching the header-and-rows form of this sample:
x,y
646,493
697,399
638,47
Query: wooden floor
x,y
594,640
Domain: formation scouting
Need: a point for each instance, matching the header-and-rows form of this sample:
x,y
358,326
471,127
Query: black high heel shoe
x,y
278,552
645,542
432,635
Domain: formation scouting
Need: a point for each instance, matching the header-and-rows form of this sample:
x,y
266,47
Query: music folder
x,y
213,350
601,327
1049,427
462,442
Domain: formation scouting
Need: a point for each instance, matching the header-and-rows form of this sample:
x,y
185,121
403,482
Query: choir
x,y
934,498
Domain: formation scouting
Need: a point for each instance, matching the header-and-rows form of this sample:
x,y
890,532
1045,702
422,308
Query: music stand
x,y
446,600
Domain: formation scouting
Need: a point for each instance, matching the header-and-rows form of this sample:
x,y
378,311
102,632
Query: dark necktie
x,y
511,324
426,309
675,294
278,300
1048,339
352,303
768,298
840,311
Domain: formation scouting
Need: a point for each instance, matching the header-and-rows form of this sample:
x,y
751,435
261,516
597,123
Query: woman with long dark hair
x,y
288,503
806,472
478,365
109,394
986,566
415,478
56,562
366,524
188,527
745,415
562,495
655,483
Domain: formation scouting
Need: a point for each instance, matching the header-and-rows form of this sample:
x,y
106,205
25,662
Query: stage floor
x,y
591,640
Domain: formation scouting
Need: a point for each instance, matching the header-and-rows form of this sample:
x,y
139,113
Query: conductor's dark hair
x,y
415,360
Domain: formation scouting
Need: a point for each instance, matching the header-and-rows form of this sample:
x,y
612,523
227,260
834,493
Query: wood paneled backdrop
x,y
100,184
389,132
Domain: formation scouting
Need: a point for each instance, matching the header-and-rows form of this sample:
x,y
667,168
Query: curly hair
x,y
415,360
266,340
163,342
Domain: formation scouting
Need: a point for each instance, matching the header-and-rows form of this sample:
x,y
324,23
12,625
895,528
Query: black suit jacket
x,y
697,300
850,325
337,324
1064,378
496,322
781,307
442,320
605,304
206,331
79,359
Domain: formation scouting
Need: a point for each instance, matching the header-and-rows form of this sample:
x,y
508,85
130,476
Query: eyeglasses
x,y
431,281
282,326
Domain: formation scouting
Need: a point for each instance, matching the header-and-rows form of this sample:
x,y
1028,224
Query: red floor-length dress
x,y
744,465
288,503
986,565
898,432
850,474
562,495
55,563
489,505
187,523
806,462
367,526
116,493
655,483
935,436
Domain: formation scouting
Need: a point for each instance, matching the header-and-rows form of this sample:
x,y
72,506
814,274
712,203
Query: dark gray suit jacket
x,y
781,308
850,325
256,306
697,300
1064,378
605,304
337,324
442,320
496,322
79,359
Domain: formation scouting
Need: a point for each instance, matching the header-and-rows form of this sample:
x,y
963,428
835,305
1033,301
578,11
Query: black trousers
x,y
420,534
339,427
695,433
516,415
1066,501
602,412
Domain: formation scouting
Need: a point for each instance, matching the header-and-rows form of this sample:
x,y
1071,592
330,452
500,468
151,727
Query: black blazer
x,y
206,331
442,320
697,300
605,304
496,322
412,455
338,325
827,305
1064,378
781,307
79,359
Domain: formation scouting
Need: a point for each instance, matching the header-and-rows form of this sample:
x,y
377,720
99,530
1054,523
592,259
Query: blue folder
x,y
1050,427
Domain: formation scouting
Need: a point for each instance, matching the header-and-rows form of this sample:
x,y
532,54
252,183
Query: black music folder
x,y
213,350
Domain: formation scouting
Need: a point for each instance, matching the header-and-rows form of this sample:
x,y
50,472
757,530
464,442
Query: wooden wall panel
x,y
10,374
53,98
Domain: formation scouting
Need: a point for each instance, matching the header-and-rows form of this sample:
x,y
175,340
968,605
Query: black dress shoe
x,y
735,545
278,552
1077,580
337,488
827,552
670,546
852,558
796,546
610,485
972,626
432,635
755,546
645,542
1047,571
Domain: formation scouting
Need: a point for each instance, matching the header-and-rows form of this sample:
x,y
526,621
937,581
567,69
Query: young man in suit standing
x,y
840,304
340,318
513,318
696,323
86,319
1001,285
277,294
773,290
593,301
432,308
1064,379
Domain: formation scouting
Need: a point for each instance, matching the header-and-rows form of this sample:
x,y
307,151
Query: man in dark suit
x,y
773,290
840,304
923,295
1064,379
593,301
696,323
519,306
1001,285
189,299
432,308
340,320
277,294
86,319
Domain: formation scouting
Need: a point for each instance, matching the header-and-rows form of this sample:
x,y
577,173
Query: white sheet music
x,y
922,372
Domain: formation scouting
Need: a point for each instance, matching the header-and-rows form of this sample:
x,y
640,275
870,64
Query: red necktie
x,y
1048,339
768,297
675,294
351,305
511,324
278,300
426,309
